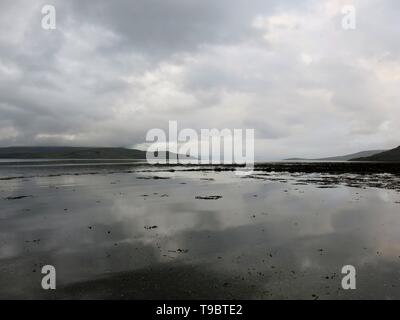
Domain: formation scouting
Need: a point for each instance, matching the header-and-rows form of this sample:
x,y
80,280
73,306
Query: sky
x,y
113,70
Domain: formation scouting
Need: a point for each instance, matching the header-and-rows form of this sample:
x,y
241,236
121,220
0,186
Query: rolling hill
x,y
346,157
388,156
71,153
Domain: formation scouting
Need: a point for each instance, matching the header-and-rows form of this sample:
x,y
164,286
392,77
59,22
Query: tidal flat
x,y
127,230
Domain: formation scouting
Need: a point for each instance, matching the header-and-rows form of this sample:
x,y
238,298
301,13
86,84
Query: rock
x,y
209,197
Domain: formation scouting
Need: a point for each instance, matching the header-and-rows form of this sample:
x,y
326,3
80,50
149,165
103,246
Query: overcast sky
x,y
112,70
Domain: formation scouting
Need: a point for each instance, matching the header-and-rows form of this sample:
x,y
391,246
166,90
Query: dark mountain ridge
x,y
342,158
72,153
387,156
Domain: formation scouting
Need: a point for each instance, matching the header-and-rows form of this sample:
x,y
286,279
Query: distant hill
x,y
389,156
71,153
342,158
347,157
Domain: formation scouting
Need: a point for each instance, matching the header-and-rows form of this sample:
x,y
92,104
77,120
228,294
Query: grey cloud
x,y
113,70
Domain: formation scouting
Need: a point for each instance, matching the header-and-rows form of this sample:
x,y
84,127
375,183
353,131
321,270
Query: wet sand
x,y
132,231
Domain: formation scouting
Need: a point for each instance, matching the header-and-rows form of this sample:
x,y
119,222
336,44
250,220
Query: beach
x,y
127,230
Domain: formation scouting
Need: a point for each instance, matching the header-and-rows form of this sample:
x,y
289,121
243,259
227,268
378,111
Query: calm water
x,y
115,232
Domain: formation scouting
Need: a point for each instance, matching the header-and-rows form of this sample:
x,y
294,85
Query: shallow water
x,y
128,233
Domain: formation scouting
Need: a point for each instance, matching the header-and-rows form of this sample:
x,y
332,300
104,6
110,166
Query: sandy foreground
x,y
131,231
